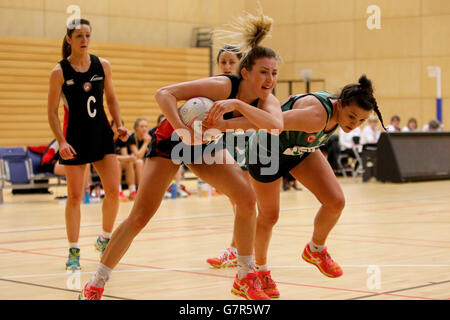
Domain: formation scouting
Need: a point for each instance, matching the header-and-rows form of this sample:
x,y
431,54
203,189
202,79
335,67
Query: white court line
x,y
210,215
69,273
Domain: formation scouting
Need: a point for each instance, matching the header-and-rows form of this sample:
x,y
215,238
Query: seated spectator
x,y
433,126
138,145
395,124
411,126
126,162
371,132
349,140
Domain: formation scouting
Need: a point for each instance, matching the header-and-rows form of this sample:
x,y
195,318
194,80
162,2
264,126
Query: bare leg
x,y
316,175
268,200
156,177
230,180
108,170
75,190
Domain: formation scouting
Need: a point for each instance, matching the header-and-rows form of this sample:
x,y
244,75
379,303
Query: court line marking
x,y
68,273
405,289
232,277
209,215
56,288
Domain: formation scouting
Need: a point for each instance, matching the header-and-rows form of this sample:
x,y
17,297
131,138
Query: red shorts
x,y
167,144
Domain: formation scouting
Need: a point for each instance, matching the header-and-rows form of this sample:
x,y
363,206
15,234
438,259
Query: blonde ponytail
x,y
248,31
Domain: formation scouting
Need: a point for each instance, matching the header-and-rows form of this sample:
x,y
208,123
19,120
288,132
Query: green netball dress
x,y
269,157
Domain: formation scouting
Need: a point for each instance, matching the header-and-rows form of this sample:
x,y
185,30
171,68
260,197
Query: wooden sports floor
x,y
393,242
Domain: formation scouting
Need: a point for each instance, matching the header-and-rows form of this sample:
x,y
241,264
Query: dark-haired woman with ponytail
x,y
309,121
80,80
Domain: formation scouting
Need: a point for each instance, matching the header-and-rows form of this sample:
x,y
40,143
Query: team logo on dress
x,y
87,86
311,138
96,78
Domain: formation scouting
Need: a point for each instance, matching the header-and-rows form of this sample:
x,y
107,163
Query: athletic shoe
x,y
122,196
100,245
91,293
183,187
132,195
167,195
322,260
73,262
268,285
249,288
181,193
226,259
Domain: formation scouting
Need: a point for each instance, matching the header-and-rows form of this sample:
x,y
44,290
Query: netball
x,y
194,110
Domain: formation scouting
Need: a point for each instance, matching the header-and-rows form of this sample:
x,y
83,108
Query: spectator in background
x,y
138,146
411,126
126,162
433,126
371,132
394,126
347,141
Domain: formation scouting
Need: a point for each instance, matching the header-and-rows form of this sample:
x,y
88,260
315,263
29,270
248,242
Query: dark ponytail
x,y
362,95
66,48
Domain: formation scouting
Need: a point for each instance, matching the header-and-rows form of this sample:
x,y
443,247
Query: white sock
x,y
246,266
120,188
101,276
260,268
132,188
73,245
106,235
315,247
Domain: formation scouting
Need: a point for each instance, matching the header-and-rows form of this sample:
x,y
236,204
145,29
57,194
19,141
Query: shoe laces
x,y
256,283
94,294
73,256
327,258
267,280
224,254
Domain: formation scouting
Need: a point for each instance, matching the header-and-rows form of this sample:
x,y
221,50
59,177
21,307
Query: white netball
x,y
194,110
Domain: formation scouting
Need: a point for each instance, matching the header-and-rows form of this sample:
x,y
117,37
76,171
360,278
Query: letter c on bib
x,y
91,113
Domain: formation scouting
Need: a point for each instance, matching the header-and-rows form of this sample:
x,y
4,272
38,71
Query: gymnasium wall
x,y
329,36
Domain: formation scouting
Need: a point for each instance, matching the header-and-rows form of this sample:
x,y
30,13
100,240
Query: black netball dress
x,y
86,127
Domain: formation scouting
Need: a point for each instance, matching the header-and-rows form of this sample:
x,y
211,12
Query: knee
x,y
268,218
139,163
75,197
139,220
246,201
111,191
336,202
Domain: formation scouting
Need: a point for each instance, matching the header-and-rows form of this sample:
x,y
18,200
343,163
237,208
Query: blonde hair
x,y
249,31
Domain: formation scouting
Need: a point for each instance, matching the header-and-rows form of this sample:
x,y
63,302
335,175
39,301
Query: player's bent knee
x,y
337,203
139,220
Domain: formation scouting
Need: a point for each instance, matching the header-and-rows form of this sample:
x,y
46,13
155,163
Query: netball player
x,y
309,120
80,79
227,60
258,77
